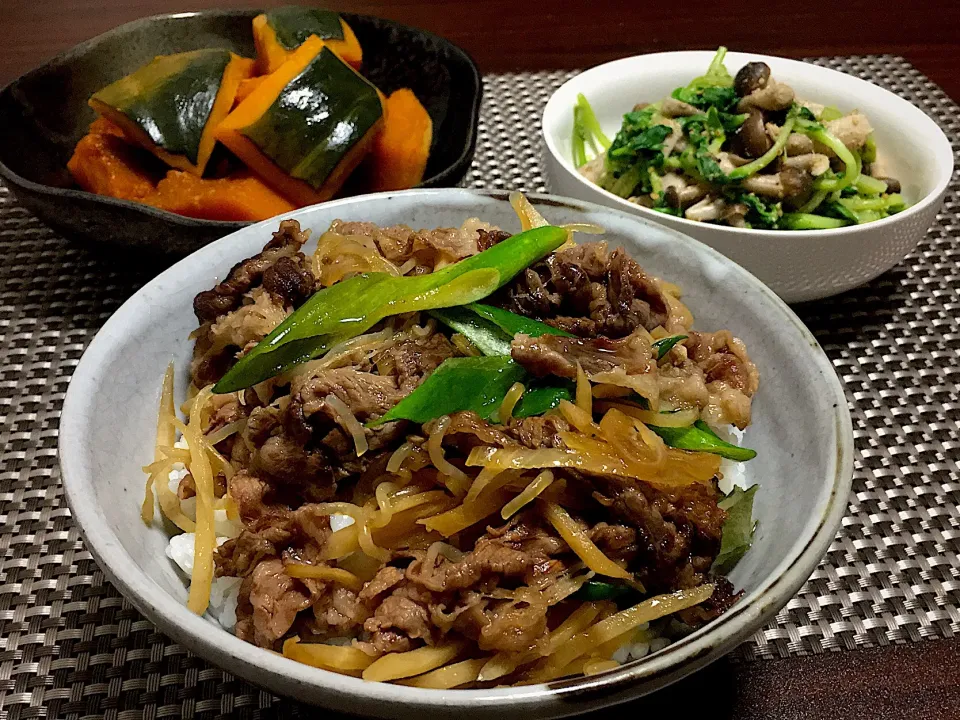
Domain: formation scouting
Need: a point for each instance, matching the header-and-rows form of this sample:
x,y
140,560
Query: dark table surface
x,y
505,35
920,680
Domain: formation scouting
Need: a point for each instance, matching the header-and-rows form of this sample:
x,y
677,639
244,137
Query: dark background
x,y
920,680
510,35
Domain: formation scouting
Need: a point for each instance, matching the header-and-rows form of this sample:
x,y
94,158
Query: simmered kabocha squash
x,y
307,126
278,32
398,157
247,87
103,163
239,197
172,105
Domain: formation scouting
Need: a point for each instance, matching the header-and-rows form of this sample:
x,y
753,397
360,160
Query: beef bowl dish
x,y
463,456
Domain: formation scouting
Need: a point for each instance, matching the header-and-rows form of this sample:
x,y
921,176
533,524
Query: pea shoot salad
x,y
742,151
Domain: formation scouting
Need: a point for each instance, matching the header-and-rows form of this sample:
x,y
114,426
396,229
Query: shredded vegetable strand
x,y
616,625
341,658
394,666
449,676
540,483
204,539
348,422
576,537
467,514
510,400
166,435
505,663
323,572
584,394
529,216
225,431
459,480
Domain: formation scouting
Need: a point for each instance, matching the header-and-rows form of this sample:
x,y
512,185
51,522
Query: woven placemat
x,y
70,646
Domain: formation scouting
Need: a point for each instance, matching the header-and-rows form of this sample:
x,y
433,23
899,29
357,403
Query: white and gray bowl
x,y
798,264
801,431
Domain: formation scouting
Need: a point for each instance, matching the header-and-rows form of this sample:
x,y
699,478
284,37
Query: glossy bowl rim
x,y
939,143
555,699
85,46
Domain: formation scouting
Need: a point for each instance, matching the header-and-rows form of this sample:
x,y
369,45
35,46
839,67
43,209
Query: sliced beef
x,y
270,530
396,619
409,361
339,610
538,431
366,394
521,549
677,530
209,305
286,461
270,601
290,279
467,430
557,355
219,343
486,239
429,249
713,372
723,598
588,291
239,556
618,542
512,626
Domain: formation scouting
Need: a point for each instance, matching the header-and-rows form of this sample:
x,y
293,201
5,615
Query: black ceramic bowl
x,y
44,113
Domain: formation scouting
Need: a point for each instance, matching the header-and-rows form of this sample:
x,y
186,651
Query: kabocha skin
x,y
307,126
280,31
172,105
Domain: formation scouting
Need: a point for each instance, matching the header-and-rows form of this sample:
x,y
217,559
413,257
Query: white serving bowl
x,y
797,265
801,430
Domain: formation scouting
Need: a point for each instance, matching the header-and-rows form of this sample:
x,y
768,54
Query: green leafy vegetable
x,y
649,139
664,345
869,152
869,185
834,208
713,89
586,130
814,202
476,323
808,221
888,203
716,75
593,590
537,400
762,213
624,184
700,438
464,383
709,169
851,161
353,306
829,113
513,324
738,528
487,337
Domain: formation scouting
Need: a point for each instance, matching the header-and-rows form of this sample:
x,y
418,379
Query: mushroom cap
x,y
797,186
751,139
752,76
